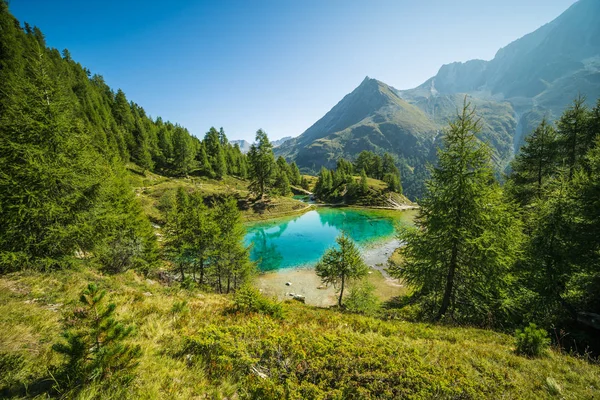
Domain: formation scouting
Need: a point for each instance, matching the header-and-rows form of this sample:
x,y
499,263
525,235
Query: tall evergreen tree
x,y
202,235
572,130
536,162
364,184
295,176
49,175
262,163
231,263
466,239
183,151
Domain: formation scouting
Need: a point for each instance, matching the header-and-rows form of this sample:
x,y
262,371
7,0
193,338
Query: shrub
x,y
531,341
362,299
93,343
248,299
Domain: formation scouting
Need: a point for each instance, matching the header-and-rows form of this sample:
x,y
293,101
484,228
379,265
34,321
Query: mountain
x,y
245,145
535,76
279,142
538,74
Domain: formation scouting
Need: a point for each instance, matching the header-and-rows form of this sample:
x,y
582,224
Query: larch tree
x,y
50,178
572,132
262,164
466,238
340,265
536,162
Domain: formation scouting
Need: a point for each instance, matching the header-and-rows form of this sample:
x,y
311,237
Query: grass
x,y
210,352
150,188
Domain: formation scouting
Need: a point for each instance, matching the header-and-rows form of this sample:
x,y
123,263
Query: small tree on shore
x,y
338,266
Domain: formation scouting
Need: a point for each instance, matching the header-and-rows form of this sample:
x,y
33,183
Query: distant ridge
x,y
245,145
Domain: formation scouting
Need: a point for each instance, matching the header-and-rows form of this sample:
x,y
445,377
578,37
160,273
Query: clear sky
x,y
279,65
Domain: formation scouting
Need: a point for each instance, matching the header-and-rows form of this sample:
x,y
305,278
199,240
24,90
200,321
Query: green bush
x,y
531,341
94,345
248,299
362,299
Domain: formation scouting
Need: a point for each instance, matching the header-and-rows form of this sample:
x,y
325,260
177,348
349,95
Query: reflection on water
x,y
300,241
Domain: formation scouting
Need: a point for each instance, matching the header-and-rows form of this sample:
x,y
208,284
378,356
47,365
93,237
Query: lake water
x,y
300,241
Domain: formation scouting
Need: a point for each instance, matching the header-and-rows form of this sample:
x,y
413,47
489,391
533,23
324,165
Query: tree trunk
x,y
449,284
341,291
219,280
201,271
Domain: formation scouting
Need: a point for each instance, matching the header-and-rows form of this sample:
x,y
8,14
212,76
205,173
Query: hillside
x,y
375,118
535,76
193,345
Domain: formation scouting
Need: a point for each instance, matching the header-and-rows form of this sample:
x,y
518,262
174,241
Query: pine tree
x,y
304,183
340,265
94,346
203,162
220,165
231,264
183,152
295,176
572,131
262,164
364,184
50,177
214,151
282,184
177,232
466,239
201,235
536,162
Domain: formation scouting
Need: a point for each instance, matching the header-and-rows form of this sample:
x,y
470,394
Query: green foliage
x,y
304,183
295,176
94,344
362,299
535,164
557,275
340,265
574,136
531,341
248,299
458,259
282,183
364,185
206,242
311,353
261,164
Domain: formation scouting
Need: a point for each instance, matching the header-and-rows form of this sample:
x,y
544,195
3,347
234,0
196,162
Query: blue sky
x,y
278,65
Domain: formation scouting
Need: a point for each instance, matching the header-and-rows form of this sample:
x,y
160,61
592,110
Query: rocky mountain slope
x,y
537,75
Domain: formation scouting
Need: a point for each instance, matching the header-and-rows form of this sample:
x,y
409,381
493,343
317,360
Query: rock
x,y
150,282
370,272
147,294
321,287
300,298
288,284
292,294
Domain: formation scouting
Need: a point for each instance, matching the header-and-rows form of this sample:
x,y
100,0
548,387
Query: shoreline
x,y
305,282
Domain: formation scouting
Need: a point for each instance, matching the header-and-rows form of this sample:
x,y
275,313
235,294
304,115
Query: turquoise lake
x,y
301,240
